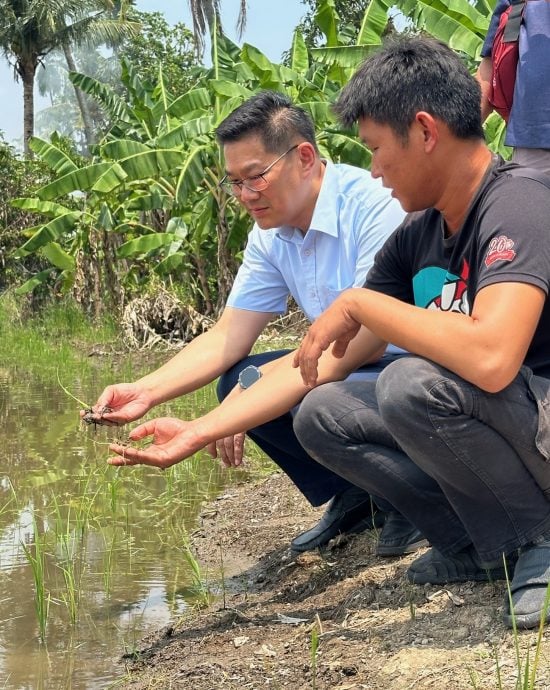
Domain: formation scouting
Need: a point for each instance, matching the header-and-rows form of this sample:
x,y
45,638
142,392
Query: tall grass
x,y
61,324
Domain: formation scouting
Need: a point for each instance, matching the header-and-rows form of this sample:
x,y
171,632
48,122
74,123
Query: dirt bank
x,y
372,629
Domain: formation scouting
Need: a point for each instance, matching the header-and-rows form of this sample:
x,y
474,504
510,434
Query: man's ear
x,y
429,130
307,155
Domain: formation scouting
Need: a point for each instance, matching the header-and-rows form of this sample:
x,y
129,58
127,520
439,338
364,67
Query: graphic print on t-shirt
x,y
436,288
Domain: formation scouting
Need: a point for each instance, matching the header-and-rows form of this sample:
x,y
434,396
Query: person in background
x,y
528,127
317,228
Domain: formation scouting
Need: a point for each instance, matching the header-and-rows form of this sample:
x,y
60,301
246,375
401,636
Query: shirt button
x,y
307,252
312,293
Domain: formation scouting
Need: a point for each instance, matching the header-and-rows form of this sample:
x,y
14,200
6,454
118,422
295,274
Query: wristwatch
x,y
249,375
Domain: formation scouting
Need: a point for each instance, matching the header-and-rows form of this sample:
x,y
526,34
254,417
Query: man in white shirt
x,y
317,228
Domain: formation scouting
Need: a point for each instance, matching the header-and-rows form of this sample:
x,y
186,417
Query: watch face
x,y
249,375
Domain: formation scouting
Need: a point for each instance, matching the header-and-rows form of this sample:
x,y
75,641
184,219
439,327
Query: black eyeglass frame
x,y
235,187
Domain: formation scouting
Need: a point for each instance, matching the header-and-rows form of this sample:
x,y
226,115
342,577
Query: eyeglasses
x,y
256,183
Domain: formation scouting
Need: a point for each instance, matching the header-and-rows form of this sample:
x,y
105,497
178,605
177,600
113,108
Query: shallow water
x,y
113,540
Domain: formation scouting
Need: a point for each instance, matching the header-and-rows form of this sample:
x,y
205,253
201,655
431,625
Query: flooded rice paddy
x,y
92,557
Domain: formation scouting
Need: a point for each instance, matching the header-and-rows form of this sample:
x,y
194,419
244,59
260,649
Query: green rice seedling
x,y
108,564
113,487
474,678
410,598
71,596
222,577
526,671
313,650
199,581
36,559
199,588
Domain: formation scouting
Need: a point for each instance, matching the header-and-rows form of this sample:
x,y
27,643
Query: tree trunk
x,y
83,106
27,76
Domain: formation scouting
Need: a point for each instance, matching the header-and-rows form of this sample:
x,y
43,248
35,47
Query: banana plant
x,y
148,199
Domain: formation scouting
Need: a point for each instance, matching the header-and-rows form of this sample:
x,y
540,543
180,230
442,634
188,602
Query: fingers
x,y
238,448
340,346
229,450
226,450
127,455
143,430
307,358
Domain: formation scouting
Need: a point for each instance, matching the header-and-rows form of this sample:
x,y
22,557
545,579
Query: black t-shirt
x,y
505,238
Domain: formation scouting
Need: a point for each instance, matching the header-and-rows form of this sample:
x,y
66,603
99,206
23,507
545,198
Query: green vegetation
x,y
31,30
145,209
36,558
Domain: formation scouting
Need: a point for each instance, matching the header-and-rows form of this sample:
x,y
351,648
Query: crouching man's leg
x,y
351,509
468,490
480,449
339,425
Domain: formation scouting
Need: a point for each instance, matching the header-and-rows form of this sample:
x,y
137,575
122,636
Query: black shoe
x,y
350,512
436,569
530,588
399,537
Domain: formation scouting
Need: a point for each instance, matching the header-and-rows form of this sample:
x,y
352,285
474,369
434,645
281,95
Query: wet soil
x,y
341,619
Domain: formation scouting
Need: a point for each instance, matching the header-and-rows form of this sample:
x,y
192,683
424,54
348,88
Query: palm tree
x,y
30,29
206,15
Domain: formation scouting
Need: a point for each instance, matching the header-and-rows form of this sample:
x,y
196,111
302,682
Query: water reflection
x,y
111,540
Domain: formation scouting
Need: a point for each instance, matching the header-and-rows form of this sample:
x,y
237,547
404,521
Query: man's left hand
x,y
173,441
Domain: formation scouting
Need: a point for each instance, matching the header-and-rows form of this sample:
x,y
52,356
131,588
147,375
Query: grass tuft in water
x,y
35,555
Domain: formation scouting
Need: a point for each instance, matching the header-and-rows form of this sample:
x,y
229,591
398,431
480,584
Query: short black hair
x,y
271,116
411,74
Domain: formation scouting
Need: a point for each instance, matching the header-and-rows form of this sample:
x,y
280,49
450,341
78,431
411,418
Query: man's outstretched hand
x,y
173,441
119,404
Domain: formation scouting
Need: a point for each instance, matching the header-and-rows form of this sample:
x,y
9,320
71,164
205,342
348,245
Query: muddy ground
x,y
342,619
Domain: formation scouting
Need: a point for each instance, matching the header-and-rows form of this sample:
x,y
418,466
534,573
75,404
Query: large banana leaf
x,y
112,102
145,244
192,174
229,89
48,208
375,21
121,148
454,22
35,281
50,232
197,99
345,148
151,164
348,57
105,175
263,68
299,59
58,257
326,18
57,159
186,133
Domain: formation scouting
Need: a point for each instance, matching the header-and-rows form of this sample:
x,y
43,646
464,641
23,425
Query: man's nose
x,y
247,194
374,169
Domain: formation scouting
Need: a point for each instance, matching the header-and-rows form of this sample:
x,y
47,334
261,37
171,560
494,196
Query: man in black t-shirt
x,y
457,435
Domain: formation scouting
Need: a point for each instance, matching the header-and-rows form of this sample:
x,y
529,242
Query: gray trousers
x,y
458,462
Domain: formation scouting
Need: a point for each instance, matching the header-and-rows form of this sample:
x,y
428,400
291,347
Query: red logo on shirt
x,y
500,249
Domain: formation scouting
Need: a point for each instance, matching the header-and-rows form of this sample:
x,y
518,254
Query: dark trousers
x,y
278,440
461,464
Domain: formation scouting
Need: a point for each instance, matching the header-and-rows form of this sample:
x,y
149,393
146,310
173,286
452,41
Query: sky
x,y
269,27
